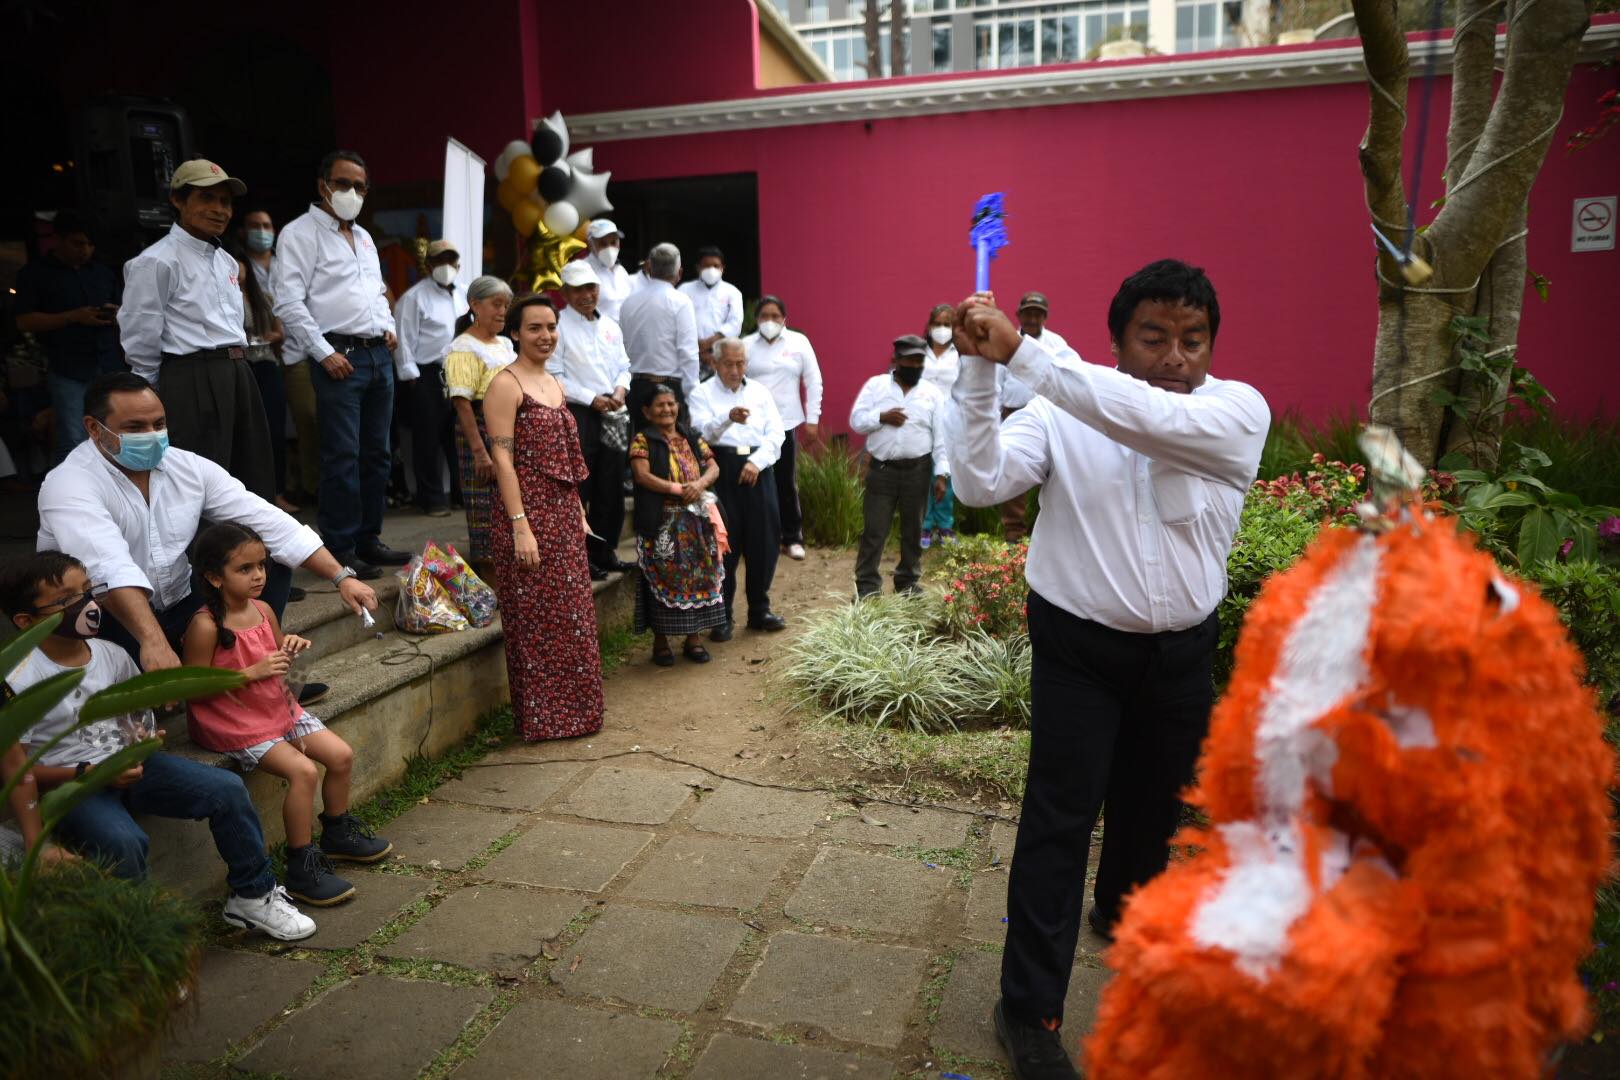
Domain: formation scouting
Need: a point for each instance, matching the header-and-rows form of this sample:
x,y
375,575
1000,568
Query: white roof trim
x,y
1258,69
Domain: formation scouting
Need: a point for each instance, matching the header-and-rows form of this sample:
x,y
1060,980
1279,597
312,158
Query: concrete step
x,y
327,622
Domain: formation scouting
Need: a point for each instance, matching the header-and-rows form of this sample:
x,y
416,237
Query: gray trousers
x,y
214,409
891,484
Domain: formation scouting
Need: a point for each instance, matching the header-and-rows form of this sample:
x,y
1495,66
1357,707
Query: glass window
x,y
1051,40
942,46
1070,49
815,11
841,66
1094,32
1206,22
1026,42
983,57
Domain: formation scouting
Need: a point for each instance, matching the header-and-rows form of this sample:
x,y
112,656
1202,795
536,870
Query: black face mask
x,y
908,376
80,620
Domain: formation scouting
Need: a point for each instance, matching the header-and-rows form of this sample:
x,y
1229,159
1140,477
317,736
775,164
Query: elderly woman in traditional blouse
x,y
476,355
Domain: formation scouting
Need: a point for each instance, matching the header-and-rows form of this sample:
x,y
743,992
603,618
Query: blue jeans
x,y
174,787
941,513
353,416
67,401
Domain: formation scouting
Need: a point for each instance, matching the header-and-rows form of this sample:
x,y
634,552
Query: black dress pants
x,y
787,489
433,437
1116,721
214,409
602,491
753,528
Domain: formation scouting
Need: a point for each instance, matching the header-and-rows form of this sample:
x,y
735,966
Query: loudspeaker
x,y
127,148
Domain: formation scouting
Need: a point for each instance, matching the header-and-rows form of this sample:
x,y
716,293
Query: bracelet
x,y
519,517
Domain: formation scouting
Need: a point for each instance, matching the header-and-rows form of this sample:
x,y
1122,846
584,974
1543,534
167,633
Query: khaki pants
x,y
301,404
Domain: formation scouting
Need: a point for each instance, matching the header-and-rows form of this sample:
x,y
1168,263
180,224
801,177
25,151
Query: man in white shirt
x,y
902,418
591,364
613,282
738,419
660,335
717,303
333,306
128,507
1015,394
182,328
1144,470
426,320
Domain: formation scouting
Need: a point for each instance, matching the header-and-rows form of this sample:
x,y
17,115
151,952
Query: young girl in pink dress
x,y
261,725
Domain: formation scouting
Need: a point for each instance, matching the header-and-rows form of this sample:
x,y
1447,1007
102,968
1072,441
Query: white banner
x,y
464,208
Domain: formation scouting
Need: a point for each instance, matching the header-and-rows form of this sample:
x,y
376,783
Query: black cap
x,y
909,345
1034,300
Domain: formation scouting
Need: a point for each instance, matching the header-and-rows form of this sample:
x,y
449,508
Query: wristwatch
x,y
346,572
80,769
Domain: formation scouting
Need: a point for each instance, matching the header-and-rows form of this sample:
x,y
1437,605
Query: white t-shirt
x,y
95,742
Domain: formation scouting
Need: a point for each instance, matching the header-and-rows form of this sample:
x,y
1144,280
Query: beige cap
x,y
200,173
439,247
579,273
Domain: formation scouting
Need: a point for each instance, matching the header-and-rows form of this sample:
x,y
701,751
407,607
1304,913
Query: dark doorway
x,y
692,212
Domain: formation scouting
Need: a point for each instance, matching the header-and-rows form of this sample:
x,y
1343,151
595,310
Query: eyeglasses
x,y
342,183
95,592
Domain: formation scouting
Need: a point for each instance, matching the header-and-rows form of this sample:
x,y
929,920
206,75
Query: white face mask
x,y
770,331
710,276
346,204
940,335
608,256
445,274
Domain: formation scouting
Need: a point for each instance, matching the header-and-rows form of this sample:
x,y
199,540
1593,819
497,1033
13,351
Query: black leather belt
x,y
738,451
655,378
900,463
345,342
229,352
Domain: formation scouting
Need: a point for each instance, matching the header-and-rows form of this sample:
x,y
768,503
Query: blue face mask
x,y
139,451
260,239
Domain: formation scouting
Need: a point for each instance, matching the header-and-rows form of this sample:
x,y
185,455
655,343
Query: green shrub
x,y
1587,596
1271,535
830,493
988,595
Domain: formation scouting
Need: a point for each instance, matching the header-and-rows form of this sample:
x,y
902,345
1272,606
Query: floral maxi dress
x,y
547,611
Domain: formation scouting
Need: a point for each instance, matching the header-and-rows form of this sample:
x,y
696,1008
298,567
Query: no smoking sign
x,y
1594,224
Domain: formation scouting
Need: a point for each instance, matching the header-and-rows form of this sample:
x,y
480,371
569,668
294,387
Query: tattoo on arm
x,y
505,441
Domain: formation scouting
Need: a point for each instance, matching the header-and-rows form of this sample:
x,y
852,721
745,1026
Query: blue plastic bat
x,y
988,236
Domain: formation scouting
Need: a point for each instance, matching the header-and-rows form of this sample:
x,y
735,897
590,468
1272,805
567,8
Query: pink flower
x,y
1564,549
1610,529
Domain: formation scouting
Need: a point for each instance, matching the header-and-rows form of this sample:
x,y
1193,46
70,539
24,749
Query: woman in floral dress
x,y
678,551
538,538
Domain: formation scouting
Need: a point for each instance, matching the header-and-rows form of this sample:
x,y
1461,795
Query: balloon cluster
x,y
551,194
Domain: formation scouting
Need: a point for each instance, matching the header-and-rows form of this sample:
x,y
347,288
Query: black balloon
x,y
547,145
555,183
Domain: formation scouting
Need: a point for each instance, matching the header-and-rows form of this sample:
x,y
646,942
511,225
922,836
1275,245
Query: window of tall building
x,y
1203,25
941,33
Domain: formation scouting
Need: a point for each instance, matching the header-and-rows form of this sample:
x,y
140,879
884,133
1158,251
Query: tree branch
x,y
1473,78
1383,49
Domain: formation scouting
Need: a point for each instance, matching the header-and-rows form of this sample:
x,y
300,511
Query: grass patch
x,y
830,493
993,762
423,775
959,859
453,1056
617,645
933,991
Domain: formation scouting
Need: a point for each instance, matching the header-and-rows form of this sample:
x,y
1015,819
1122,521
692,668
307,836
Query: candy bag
x,y
471,595
424,607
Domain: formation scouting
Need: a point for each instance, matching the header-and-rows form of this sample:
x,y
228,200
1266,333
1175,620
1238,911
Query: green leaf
x,y
155,688
1468,476
1586,543
1523,478
29,707
1453,462
1538,538
1481,494
57,803
1508,498
1540,283
1531,459
23,644
1444,398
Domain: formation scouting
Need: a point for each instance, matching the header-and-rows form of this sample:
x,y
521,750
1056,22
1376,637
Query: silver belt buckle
x,y
745,451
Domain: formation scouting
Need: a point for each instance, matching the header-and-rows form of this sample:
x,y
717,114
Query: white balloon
x,y
562,218
581,160
590,193
514,149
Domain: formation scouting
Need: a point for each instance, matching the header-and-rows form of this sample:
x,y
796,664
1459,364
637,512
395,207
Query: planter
x,y
1296,37
1121,50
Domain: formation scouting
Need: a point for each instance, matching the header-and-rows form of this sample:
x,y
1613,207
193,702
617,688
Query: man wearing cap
x,y
181,326
425,318
1015,394
594,370
717,303
660,334
739,420
613,282
333,305
902,418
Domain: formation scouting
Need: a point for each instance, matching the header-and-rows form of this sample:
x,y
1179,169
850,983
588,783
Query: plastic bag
x,y
424,606
471,595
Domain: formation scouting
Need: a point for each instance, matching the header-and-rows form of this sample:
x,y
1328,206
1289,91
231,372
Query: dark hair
x,y
340,155
935,310
710,252
514,317
258,304
1167,279
209,554
770,298
68,222
98,395
20,579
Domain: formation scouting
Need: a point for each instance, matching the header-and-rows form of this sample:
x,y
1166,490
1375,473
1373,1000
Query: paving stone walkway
x,y
628,919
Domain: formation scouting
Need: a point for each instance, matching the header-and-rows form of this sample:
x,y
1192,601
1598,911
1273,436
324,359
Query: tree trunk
x,y
897,37
874,41
1475,244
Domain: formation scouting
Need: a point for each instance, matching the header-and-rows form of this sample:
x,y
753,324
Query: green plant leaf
x,y
1538,538
1481,494
1523,478
23,644
57,803
1586,543
27,708
154,688
1453,462
1508,498
1468,476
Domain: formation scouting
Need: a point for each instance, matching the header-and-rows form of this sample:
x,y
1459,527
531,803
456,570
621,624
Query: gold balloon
x,y
543,260
579,233
525,216
507,195
523,174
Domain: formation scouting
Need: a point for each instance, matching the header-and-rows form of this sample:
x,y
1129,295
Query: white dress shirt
x,y
181,295
638,281
1141,487
719,309
1015,392
941,370
590,357
660,334
326,285
782,367
711,404
90,509
923,433
426,316
615,288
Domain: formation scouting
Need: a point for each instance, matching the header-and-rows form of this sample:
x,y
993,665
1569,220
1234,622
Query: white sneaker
x,y
273,914
796,551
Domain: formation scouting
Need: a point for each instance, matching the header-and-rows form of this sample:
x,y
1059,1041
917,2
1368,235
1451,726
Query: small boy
x,y
102,827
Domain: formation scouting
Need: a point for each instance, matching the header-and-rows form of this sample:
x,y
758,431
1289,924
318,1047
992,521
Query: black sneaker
x,y
721,633
295,594
363,571
311,693
1036,1050
1100,926
310,878
380,554
343,837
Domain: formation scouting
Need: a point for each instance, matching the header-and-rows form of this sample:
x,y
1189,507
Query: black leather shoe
x,y
363,570
311,693
616,565
1036,1050
721,633
295,594
768,621
383,555
598,574
1102,929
